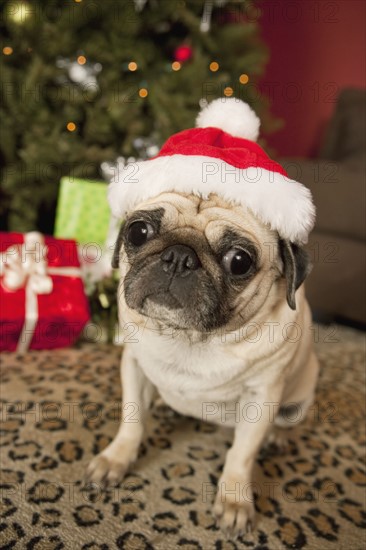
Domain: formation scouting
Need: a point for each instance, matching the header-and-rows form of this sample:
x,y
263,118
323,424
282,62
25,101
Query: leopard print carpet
x,y
62,407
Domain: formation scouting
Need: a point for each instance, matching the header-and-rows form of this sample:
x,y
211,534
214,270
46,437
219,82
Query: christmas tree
x,y
86,81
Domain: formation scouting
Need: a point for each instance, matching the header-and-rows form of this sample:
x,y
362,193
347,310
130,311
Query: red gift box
x,y
42,299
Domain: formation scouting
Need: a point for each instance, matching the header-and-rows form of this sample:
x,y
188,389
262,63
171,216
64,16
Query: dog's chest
x,y
190,372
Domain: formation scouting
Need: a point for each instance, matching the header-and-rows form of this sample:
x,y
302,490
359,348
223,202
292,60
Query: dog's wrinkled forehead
x,y
209,216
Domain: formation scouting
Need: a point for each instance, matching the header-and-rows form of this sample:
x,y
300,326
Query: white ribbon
x,y
26,266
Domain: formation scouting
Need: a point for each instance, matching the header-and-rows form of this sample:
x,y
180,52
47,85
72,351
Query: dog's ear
x,y
117,247
296,265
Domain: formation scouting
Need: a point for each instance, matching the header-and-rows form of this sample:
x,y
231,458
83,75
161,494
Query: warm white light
x,y
18,12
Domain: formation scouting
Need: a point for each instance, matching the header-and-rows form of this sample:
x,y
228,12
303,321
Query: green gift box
x,y
83,211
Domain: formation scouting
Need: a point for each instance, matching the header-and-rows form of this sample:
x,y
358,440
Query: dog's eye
x,y
237,261
139,233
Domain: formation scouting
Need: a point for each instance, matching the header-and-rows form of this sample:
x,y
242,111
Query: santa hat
x,y
220,156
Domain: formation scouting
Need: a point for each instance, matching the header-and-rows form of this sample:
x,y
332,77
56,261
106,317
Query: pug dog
x,y
213,280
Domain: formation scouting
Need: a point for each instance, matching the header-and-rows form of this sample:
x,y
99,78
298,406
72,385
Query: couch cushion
x,y
346,135
338,192
336,284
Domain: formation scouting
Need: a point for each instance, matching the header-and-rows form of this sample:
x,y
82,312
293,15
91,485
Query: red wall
x,y
317,47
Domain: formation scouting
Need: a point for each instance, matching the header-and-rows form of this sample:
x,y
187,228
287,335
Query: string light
x,y
7,50
244,79
132,66
143,92
81,59
228,92
176,66
214,66
18,12
71,126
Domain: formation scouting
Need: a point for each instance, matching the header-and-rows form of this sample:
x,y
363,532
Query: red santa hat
x,y
220,156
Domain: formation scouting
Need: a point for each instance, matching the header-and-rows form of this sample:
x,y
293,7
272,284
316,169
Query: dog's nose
x,y
180,259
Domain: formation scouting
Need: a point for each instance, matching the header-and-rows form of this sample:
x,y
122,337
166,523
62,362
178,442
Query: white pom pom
x,y
231,115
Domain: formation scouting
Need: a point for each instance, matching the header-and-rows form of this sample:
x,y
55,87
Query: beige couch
x,y
336,286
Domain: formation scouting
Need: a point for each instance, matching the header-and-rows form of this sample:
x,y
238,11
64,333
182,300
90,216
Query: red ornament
x,y
183,53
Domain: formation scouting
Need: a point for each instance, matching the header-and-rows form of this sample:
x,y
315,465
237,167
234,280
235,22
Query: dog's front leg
x,y
234,504
110,466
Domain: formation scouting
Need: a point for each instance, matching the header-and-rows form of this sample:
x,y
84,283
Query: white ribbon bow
x,y
26,266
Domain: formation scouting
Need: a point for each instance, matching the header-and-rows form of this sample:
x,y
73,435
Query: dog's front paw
x,y
234,516
105,472
276,441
